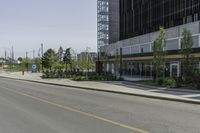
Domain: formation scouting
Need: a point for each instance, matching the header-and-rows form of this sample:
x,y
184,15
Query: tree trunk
x,y
66,67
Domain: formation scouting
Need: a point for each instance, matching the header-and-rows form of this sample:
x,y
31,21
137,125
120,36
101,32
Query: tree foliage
x,y
187,57
60,54
67,59
86,62
159,54
49,58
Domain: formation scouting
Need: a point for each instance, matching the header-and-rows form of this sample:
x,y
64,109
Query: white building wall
x,y
144,43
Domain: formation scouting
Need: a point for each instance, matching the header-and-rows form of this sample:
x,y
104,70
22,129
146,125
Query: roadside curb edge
x,y
110,91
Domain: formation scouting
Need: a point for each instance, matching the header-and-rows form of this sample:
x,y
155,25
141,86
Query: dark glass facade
x,y
138,17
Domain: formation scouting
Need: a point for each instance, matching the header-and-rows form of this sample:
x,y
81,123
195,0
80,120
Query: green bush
x,y
196,80
101,77
79,78
160,81
168,82
179,81
197,85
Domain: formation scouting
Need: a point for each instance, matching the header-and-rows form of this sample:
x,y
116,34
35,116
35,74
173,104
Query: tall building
x,y
102,23
139,17
134,26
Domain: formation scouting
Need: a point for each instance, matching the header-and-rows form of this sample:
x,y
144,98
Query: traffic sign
x,y
34,68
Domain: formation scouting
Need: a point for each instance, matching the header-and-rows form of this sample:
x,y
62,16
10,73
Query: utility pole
x,y
10,59
27,61
39,53
120,64
26,55
5,58
5,55
12,55
42,48
33,54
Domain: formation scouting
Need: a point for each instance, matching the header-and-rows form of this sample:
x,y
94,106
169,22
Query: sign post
x,y
34,68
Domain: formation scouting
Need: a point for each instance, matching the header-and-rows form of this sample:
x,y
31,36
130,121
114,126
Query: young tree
x,y
86,61
74,62
67,58
186,52
87,52
37,61
159,54
26,63
49,58
60,54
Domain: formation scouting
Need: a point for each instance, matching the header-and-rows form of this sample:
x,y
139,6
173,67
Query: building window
x,y
142,50
138,17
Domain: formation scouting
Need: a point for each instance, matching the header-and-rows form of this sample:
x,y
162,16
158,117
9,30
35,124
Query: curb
x,y
163,88
110,91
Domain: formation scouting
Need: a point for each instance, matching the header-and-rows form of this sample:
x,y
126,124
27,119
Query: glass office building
x,y
138,17
102,23
138,22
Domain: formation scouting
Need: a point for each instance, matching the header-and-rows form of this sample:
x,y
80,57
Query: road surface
x,y
27,107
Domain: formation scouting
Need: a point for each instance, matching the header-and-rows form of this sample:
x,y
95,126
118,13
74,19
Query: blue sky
x,y
25,24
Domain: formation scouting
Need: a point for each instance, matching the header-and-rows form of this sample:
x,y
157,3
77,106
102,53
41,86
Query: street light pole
x,y
120,67
33,54
42,46
27,61
5,54
12,56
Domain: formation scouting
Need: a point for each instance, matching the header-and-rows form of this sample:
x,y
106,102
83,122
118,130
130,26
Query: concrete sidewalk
x,y
112,87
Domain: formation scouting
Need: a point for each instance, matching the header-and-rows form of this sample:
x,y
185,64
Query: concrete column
x,y
199,40
151,70
179,43
139,49
178,66
150,47
199,65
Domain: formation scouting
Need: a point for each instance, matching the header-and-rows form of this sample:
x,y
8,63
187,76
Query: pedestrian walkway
x,y
119,87
173,91
188,93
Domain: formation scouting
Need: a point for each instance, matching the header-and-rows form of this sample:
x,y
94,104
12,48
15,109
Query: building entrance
x,y
174,70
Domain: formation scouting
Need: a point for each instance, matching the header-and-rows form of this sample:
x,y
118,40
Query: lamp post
x,y
42,48
26,61
120,64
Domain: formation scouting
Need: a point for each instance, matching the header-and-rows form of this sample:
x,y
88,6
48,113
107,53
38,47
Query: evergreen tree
x,y
49,58
67,58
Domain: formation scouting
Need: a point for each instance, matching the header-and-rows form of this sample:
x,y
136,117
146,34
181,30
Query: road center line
x,y
80,112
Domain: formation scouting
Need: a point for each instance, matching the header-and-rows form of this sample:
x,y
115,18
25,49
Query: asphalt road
x,y
37,108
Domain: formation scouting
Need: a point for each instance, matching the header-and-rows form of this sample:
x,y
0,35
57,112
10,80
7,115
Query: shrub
x,y
160,81
198,85
45,74
168,82
179,81
120,79
102,78
196,80
79,78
